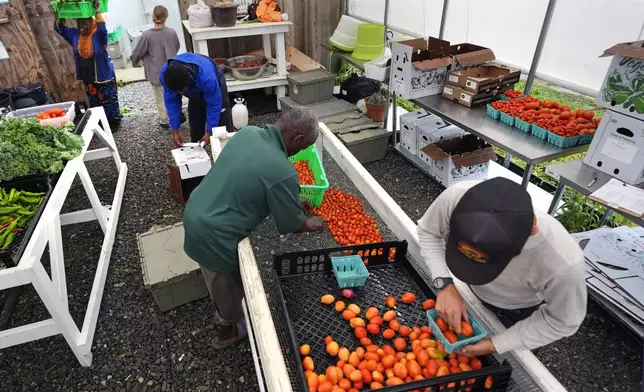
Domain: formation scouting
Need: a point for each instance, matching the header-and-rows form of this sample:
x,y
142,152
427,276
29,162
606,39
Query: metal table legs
x,y
557,198
526,175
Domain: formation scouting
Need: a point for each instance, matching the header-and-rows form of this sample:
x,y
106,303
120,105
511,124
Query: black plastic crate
x,y
35,183
305,276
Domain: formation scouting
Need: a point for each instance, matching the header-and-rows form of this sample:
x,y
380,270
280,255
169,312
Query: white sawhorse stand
x,y
29,270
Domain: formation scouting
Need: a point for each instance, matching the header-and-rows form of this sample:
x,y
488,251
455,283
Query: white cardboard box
x,y
623,86
192,161
408,133
460,159
427,137
618,147
419,67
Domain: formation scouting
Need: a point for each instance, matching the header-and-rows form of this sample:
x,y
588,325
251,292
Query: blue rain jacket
x,y
104,70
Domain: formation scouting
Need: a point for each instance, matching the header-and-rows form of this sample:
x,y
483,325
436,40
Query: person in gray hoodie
x,y
155,48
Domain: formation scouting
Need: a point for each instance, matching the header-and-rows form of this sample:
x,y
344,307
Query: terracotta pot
x,y
375,112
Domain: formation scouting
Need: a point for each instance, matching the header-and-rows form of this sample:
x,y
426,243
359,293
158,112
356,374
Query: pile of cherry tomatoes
x,y
49,113
304,172
550,115
348,223
513,94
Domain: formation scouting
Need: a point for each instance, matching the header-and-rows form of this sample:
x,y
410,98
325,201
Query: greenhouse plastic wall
x,y
578,33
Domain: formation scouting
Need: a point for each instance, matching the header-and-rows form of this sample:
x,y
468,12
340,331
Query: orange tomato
x,y
388,333
373,329
408,298
371,313
442,324
429,304
389,315
377,320
305,350
390,301
307,363
450,336
339,306
404,331
400,344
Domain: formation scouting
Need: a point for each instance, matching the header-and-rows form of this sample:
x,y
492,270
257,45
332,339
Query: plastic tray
x,y
350,271
522,125
67,107
563,142
539,132
77,10
479,332
35,183
313,193
495,114
506,119
303,277
115,35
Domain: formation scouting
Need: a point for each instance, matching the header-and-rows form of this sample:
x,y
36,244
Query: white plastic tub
x,y
376,69
67,107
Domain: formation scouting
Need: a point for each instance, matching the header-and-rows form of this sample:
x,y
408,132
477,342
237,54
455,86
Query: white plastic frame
x,y
53,291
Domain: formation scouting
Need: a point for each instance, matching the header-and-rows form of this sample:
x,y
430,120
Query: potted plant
x,y
376,106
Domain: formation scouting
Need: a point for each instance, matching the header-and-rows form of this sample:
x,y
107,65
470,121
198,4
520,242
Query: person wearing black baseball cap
x,y
521,263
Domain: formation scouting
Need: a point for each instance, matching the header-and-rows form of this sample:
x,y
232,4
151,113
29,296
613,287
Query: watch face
x,y
438,282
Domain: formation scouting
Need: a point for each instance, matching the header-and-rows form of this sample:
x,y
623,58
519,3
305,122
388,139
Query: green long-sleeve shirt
x,y
251,178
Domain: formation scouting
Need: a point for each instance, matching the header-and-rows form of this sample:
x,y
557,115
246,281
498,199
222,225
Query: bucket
x,y
224,16
370,43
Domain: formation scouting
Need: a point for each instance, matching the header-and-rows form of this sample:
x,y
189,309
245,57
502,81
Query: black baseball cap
x,y
488,228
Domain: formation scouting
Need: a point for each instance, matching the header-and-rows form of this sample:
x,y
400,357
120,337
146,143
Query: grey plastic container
x,y
368,145
169,274
311,86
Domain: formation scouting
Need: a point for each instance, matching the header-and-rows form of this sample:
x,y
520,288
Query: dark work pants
x,y
197,110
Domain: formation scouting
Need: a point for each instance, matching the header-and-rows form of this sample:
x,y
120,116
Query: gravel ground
x,y
138,348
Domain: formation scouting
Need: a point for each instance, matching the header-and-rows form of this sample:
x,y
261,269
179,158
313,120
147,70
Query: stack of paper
x,y
615,267
621,197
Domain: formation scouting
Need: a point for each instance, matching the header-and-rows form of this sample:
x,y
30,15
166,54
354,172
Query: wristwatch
x,y
440,283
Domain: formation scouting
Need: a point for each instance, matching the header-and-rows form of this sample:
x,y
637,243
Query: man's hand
x,y
306,206
314,223
482,347
97,6
450,306
176,138
205,139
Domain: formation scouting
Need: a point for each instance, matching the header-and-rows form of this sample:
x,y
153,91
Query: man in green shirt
x,y
251,178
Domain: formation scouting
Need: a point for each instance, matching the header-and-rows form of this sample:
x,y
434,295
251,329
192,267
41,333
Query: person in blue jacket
x,y
93,65
198,78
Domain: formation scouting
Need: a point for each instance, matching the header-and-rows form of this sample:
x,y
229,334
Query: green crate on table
x,y
522,125
313,193
493,112
539,132
562,142
115,35
506,119
77,10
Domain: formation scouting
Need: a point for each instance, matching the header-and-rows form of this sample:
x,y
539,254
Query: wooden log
x,y
25,64
57,53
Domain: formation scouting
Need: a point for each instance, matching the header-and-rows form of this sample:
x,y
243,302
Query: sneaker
x,y
164,126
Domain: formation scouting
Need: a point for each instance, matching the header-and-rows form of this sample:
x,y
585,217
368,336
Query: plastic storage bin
x,y
495,114
345,35
377,69
67,107
350,271
522,125
479,332
506,119
115,35
370,43
77,10
311,86
313,193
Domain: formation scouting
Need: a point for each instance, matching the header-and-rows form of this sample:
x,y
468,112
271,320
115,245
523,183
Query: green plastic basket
x,y
493,112
349,271
115,35
313,193
522,125
539,132
479,332
77,10
562,142
585,139
506,119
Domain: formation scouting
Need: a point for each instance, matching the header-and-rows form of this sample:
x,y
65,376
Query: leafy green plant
x,y
377,99
576,215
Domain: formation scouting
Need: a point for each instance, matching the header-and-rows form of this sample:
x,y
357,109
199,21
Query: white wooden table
x,y
268,351
29,270
201,36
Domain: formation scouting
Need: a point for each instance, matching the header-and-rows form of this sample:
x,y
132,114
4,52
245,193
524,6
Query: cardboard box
x,y
618,147
483,78
460,159
408,133
427,137
623,86
466,55
191,164
419,67
469,99
297,61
